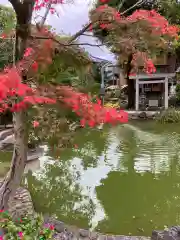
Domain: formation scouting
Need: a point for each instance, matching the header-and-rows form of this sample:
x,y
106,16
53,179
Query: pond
x,y
122,180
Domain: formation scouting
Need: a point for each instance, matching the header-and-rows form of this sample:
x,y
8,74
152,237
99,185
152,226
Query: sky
x,y
70,20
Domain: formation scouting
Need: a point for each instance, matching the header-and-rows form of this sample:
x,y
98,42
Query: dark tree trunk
x,y
131,93
13,178
130,83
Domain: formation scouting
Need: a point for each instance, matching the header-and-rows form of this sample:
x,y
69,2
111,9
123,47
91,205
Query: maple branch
x,y
45,15
87,44
64,44
79,33
121,4
88,35
140,2
85,28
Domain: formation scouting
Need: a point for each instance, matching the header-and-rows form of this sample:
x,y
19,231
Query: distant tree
x,y
127,28
7,40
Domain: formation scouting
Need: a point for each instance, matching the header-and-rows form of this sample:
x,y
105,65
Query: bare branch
x,y
88,35
64,44
87,44
121,4
79,33
85,28
140,2
45,15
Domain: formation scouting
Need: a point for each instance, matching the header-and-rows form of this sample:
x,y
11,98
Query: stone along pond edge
x,y
21,204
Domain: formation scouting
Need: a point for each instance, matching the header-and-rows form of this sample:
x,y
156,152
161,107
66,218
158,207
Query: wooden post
x,y
166,93
137,93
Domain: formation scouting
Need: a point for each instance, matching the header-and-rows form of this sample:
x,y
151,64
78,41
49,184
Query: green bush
x,y
173,101
26,228
170,115
178,91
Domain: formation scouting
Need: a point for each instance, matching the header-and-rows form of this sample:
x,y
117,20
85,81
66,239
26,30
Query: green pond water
x,y
122,180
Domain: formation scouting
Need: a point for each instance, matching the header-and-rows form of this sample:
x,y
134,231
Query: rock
x,y
65,236
102,237
6,133
157,235
100,127
9,140
84,233
133,117
21,203
93,235
142,115
8,148
74,126
172,233
58,225
35,154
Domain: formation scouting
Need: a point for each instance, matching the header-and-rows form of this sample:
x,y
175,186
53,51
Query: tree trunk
x,y
130,83
131,93
13,178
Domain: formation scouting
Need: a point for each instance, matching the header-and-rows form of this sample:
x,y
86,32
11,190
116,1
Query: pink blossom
x,y
28,52
35,124
20,235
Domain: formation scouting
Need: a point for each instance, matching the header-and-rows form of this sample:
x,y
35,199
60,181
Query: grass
x,y
5,158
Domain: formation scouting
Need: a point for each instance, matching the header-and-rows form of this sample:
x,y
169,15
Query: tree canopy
x,y
141,34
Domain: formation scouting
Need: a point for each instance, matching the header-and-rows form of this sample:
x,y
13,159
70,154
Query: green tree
x,y
7,19
7,40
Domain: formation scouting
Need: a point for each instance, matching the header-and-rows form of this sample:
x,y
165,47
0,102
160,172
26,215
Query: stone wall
x,y
66,232
21,203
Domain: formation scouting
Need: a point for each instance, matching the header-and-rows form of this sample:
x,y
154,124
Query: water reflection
x,y
124,180
55,191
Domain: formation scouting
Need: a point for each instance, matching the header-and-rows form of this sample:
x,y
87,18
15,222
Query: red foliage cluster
x,y
159,26
17,96
12,88
149,67
91,113
39,4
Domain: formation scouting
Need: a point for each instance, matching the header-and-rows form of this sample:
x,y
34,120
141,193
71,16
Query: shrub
x,y
178,91
170,115
24,228
173,101
112,105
